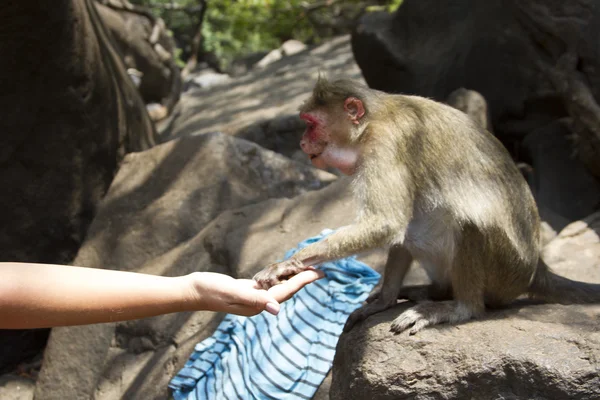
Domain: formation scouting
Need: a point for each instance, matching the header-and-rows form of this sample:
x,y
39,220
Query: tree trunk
x,y
192,62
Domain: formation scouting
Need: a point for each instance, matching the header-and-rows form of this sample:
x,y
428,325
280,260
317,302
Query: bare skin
x,y
435,187
46,295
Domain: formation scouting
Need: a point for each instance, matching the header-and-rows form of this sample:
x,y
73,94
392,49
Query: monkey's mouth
x,y
313,156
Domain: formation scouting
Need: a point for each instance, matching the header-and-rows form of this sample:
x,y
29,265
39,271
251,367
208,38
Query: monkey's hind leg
x,y
467,277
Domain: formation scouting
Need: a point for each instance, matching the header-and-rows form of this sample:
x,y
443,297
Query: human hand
x,y
219,292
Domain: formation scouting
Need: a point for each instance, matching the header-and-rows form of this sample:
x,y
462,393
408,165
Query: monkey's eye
x,y
310,125
309,120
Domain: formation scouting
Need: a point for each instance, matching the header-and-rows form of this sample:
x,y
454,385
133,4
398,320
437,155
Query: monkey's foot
x,y
366,311
278,272
431,313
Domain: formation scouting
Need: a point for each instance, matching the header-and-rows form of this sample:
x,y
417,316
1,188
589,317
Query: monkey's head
x,y
335,119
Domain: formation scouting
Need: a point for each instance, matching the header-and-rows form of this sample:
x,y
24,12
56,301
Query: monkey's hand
x,y
279,272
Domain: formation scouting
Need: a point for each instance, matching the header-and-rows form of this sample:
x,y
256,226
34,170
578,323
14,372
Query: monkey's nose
x,y
303,145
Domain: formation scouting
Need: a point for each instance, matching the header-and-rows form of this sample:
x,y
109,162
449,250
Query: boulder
x,y
509,51
69,113
430,49
291,47
206,78
288,48
473,104
15,387
576,249
243,65
281,134
270,58
159,218
563,188
526,351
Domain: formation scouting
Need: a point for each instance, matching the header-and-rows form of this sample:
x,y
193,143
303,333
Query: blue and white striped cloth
x,y
278,357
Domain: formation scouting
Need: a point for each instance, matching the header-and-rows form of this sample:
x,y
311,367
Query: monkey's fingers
x,y
277,273
288,288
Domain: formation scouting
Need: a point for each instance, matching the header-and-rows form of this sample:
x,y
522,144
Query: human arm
x,y
46,295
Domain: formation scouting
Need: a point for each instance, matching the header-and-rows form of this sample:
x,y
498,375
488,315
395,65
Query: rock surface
x,y
560,182
275,91
431,49
207,78
576,249
14,387
526,351
473,104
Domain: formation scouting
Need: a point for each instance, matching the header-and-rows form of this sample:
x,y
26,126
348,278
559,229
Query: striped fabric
x,y
278,357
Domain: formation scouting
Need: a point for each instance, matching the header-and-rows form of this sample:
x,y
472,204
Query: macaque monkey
x,y
435,187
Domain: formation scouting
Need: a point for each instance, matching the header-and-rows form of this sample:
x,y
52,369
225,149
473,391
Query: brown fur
x,y
436,187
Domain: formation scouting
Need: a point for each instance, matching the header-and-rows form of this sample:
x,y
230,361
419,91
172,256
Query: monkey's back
x,y
465,174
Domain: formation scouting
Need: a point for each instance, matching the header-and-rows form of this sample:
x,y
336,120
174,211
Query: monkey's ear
x,y
355,109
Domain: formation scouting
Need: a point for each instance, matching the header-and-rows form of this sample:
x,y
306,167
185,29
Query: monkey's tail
x,y
548,286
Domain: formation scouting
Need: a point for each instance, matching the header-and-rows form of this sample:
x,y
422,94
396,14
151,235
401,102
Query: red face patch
x,y
312,123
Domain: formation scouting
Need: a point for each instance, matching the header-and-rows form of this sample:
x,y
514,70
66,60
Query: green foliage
x,y
234,28
178,59
390,7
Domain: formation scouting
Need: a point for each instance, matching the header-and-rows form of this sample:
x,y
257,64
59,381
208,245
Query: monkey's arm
x,y
383,221
385,192
346,241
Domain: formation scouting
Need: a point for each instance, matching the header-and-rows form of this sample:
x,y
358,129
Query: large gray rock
x,y
159,218
563,188
207,78
529,352
473,104
576,249
526,351
15,387
431,48
288,48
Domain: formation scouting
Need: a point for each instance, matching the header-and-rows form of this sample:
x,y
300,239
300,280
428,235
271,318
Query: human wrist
x,y
193,291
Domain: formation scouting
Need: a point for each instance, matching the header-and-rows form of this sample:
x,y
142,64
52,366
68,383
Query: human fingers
x,y
287,289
